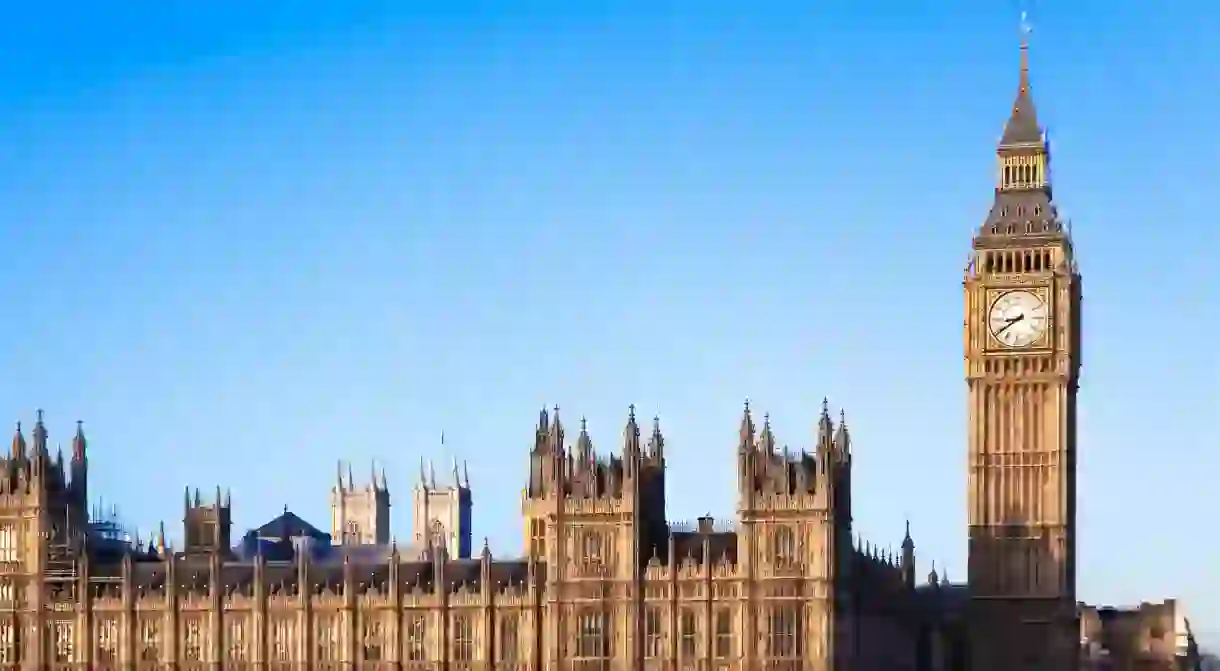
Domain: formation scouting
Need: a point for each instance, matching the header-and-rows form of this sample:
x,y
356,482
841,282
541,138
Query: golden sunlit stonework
x,y
606,582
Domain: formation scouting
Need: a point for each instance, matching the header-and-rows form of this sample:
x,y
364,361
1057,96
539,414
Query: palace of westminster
x,y
606,583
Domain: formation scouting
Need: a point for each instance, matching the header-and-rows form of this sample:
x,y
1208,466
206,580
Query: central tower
x,y
1022,341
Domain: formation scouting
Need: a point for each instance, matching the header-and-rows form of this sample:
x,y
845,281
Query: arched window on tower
x,y
783,547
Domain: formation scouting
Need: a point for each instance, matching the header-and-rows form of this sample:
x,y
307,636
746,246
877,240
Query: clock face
x,y
1018,318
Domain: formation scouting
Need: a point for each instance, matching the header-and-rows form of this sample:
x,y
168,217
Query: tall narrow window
x,y
235,638
654,639
107,639
282,640
463,638
64,641
509,639
688,641
8,642
374,638
786,631
10,543
592,637
784,547
150,640
592,551
415,638
724,632
538,538
326,639
192,644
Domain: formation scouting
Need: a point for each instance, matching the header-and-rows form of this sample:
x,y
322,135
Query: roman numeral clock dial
x,y
1018,318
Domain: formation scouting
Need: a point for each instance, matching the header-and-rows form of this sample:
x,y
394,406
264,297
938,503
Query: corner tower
x,y
1022,341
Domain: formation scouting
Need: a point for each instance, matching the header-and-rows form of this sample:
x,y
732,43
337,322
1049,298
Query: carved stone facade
x,y
606,582
442,513
1022,341
360,515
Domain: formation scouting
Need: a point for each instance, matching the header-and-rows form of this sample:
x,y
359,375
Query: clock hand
x,y
1010,321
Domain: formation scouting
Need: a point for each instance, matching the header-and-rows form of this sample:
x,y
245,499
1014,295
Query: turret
x,y
40,437
80,462
908,559
656,444
18,452
631,439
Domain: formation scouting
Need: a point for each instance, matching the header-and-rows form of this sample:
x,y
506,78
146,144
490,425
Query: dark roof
x,y
192,574
290,525
1022,127
722,545
1018,214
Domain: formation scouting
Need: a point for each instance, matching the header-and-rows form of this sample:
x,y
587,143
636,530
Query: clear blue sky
x,y
242,243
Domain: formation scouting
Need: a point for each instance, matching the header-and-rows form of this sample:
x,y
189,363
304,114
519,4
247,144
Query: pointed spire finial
x,y
1026,29
1022,127
78,442
18,443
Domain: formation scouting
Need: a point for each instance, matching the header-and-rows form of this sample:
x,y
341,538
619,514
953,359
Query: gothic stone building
x,y
606,582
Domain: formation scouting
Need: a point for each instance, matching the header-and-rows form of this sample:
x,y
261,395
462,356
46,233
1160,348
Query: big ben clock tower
x,y
1022,338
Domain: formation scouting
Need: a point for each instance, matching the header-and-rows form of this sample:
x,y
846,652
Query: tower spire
x,y
1022,127
1023,203
78,442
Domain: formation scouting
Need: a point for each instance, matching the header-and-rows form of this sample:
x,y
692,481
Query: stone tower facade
x,y
442,514
43,511
360,515
781,587
1022,342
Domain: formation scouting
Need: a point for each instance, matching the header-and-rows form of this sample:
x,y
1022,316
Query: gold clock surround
x,y
1044,339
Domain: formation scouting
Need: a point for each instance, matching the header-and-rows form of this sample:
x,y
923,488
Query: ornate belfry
x,y
1022,304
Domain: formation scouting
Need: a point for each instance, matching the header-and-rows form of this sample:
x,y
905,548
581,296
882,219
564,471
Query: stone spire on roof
x,y
1022,127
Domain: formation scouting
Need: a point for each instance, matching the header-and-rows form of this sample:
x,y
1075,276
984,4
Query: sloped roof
x,y
290,525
